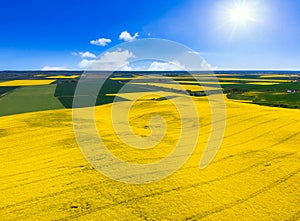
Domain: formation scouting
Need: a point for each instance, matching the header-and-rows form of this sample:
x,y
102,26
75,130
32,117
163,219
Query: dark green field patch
x,y
29,99
269,95
65,91
4,90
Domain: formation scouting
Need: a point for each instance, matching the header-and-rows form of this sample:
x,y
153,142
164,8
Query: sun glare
x,y
241,14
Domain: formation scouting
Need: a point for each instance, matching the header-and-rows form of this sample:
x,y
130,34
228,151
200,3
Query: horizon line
x,y
213,70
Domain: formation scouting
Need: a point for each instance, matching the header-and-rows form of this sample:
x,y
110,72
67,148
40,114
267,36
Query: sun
x,y
241,14
238,16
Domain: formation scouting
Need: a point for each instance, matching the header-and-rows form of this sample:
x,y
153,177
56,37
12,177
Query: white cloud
x,y
101,41
109,61
85,63
176,66
166,66
86,54
52,68
126,36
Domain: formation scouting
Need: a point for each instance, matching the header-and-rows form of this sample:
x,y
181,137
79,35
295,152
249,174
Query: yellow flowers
x,y
181,87
62,76
255,175
253,79
279,75
26,82
122,78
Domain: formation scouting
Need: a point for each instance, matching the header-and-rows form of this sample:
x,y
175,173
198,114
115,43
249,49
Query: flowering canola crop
x,y
26,82
255,175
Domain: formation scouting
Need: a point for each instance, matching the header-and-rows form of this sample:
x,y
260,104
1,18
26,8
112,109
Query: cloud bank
x,y
109,61
53,68
86,54
166,66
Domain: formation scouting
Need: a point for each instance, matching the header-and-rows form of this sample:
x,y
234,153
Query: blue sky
x,y
57,34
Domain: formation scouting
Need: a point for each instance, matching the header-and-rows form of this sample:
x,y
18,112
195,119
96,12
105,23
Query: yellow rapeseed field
x,y
255,175
132,96
26,82
253,79
62,76
40,75
122,78
206,82
177,86
278,75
